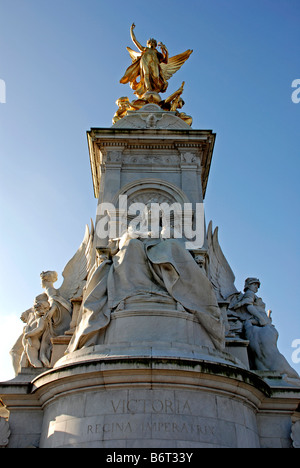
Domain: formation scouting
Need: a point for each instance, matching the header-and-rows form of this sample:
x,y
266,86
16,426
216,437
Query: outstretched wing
x,y
133,54
220,273
174,63
76,270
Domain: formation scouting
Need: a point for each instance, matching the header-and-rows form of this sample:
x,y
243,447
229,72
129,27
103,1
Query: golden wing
x,y
133,54
174,63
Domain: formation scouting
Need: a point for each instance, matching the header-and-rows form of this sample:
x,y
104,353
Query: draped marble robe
x,y
149,266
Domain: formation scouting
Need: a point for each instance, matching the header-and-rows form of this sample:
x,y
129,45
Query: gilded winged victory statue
x,y
153,67
148,76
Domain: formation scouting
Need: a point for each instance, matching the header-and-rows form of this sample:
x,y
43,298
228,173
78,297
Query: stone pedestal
x,y
155,382
238,348
148,402
96,398
60,344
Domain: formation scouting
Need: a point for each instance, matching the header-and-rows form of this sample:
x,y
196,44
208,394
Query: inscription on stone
x,y
157,406
109,427
161,419
153,427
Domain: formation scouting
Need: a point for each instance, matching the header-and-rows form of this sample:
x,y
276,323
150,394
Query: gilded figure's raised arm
x,y
134,39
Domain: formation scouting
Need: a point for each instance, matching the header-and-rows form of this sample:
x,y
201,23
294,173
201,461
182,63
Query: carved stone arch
x,y
154,190
143,190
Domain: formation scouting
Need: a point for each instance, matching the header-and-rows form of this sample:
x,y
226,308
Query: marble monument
x,y
148,343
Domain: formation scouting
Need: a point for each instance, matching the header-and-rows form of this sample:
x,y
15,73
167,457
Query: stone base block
x,y
149,402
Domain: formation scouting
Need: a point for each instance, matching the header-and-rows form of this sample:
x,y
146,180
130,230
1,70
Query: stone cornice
x,y
100,140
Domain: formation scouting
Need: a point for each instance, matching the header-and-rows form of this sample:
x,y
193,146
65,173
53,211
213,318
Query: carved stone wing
x,y
76,270
220,273
174,63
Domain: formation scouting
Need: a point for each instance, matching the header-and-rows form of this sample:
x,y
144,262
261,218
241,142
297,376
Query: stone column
x,y
111,164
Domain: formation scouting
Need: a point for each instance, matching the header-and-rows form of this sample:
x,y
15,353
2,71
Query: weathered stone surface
x,y
295,434
4,432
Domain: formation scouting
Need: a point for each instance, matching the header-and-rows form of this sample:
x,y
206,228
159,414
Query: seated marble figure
x,y
144,264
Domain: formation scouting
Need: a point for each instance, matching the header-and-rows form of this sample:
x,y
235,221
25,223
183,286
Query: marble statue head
x,y
251,281
48,276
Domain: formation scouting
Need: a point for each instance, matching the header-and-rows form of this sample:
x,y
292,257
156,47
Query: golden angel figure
x,y
154,68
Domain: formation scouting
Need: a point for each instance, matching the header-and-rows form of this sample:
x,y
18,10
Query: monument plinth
x,y
148,343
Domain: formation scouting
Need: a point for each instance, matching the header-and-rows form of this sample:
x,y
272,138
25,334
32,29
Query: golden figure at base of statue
x,y
175,102
153,69
172,103
124,106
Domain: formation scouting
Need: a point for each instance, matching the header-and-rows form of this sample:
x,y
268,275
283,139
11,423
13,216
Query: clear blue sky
x,y
62,60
